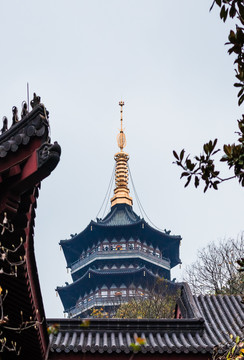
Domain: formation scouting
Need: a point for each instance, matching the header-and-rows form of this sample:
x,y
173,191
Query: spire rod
x,y
121,139
121,104
121,191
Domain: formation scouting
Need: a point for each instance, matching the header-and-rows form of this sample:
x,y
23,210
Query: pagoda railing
x,y
118,254
102,301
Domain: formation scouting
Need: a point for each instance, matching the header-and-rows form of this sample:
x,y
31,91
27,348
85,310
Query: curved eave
x,y
22,123
73,247
92,278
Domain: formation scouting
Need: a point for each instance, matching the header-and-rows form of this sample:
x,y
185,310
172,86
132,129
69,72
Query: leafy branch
x,y
202,167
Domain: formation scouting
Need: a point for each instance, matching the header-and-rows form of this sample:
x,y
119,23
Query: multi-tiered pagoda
x,y
117,257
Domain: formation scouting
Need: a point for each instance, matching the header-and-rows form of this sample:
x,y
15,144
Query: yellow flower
x,y
140,341
85,323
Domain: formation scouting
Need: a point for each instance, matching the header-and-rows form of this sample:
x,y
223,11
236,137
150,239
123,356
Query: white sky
x,y
168,62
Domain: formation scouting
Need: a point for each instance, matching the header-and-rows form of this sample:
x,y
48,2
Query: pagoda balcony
x,y
120,254
101,301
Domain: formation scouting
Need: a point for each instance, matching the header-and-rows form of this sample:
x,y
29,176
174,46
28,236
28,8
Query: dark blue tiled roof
x,y
120,215
93,278
208,321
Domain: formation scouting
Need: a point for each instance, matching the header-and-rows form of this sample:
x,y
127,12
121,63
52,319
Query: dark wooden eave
x,y
26,158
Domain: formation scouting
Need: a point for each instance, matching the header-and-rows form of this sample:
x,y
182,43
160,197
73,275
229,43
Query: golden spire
x,y
121,140
121,191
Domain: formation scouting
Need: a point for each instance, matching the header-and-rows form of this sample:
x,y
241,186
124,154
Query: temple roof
x,y
26,158
34,124
121,222
120,215
208,321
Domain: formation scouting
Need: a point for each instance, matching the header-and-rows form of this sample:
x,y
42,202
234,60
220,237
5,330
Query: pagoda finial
x,y
121,191
121,136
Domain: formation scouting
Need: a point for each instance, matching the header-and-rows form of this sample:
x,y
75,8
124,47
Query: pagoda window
x,y
123,289
138,246
157,253
150,249
104,293
113,290
131,246
93,250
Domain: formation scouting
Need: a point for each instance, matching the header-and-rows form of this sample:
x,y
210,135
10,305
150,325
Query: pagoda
x,y
116,258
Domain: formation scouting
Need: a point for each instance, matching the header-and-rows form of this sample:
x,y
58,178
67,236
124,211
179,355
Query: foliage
x,y
10,261
136,346
234,352
216,270
159,303
99,313
202,167
53,329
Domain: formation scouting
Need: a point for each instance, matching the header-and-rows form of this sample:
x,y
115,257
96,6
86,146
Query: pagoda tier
x,y
125,234
118,254
107,289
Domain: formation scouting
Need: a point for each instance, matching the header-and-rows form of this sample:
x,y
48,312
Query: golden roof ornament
x,y
121,191
121,140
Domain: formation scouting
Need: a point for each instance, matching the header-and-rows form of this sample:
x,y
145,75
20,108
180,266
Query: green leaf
x,y
188,181
206,148
241,10
215,185
135,347
175,155
196,181
232,11
225,15
218,2
182,154
240,92
238,85
222,12
241,100
184,174
232,37
227,150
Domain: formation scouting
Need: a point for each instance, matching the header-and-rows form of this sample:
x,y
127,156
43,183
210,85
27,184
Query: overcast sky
x,y
168,62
